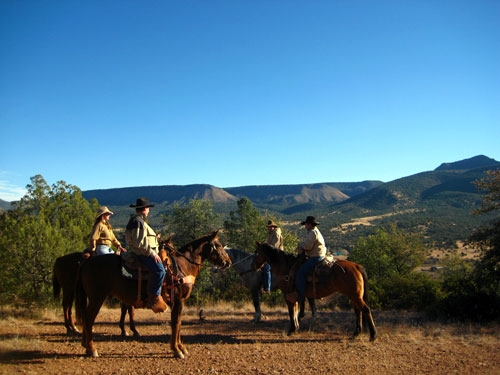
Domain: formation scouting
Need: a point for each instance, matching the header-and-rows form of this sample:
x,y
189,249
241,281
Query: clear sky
x,y
107,94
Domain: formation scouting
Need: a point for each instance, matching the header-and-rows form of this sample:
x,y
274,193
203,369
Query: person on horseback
x,y
143,241
102,237
314,248
274,238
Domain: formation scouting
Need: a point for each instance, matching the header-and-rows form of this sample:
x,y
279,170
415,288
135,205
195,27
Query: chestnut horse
x,y
64,278
101,276
345,277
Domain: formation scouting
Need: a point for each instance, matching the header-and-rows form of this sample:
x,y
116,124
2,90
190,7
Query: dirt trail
x,y
227,342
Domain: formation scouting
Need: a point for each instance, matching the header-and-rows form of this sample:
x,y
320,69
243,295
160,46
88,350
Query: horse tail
x,y
80,298
366,295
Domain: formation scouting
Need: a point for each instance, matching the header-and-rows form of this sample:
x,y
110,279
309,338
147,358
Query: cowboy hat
x,y
103,210
271,223
310,220
142,203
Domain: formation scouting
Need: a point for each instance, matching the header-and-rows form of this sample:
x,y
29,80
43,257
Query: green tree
x,y
475,295
245,226
191,221
389,251
46,223
390,257
188,222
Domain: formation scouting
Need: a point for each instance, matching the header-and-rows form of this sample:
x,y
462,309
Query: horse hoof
x,y
92,353
178,355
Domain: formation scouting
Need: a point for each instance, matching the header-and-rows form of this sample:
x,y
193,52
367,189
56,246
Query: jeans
x,y
157,274
301,279
103,250
266,277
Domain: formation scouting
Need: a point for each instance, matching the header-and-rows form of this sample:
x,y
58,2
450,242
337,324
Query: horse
x,y
252,280
101,276
64,278
345,277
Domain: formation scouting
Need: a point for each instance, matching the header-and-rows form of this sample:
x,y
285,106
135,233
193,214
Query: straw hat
x,y
271,223
103,210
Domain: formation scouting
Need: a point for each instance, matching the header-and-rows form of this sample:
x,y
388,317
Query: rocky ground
x,y
227,342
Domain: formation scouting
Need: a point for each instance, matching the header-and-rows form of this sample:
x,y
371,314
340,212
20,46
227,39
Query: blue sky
x,y
108,94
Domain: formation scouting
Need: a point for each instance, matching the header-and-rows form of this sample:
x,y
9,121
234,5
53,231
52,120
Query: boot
x,y
157,304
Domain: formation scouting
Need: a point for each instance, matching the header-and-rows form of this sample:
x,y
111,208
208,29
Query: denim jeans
x,y
301,279
103,250
266,276
157,274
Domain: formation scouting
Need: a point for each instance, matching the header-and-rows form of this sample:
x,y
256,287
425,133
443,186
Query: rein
x,y
240,261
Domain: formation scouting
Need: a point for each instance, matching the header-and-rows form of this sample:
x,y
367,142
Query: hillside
x,y
4,205
438,202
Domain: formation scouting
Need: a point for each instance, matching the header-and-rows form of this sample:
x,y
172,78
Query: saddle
x,y
322,270
320,274
133,269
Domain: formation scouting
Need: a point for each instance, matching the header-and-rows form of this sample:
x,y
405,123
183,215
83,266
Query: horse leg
x,y
293,312
368,319
131,312
124,332
358,315
312,305
176,345
256,304
90,315
67,304
302,309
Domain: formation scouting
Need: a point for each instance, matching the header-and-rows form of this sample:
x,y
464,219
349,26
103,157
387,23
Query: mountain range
x,y
439,201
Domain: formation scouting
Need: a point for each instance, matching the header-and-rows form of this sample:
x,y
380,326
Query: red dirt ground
x,y
227,342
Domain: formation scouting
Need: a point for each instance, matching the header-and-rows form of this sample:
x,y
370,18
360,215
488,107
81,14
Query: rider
x,y
143,241
102,236
274,238
313,246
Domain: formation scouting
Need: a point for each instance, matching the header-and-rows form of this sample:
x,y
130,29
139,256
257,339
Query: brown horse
x,y
64,278
344,277
101,276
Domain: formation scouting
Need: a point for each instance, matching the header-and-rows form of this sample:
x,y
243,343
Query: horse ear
x,y
214,233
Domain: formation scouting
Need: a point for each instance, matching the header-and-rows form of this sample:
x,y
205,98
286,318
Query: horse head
x,y
214,251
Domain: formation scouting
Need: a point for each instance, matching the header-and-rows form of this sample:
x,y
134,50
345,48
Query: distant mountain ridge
x,y
278,195
437,203
409,192
284,197
479,161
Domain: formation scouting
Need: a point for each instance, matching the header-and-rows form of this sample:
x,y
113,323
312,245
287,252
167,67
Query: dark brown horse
x,y
64,278
343,276
101,276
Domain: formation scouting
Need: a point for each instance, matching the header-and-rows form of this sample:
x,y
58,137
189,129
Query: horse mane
x,y
277,255
196,243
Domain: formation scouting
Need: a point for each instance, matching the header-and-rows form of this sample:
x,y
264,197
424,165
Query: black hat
x,y
310,220
142,203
